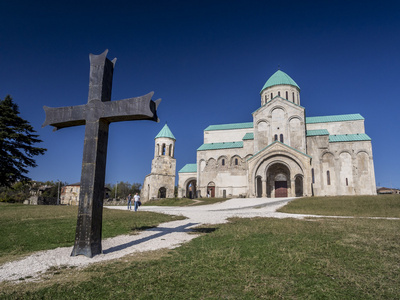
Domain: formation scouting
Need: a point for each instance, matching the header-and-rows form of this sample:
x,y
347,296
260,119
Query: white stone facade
x,y
282,153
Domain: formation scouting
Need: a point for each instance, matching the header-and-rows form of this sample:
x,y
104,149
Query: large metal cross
x,y
97,114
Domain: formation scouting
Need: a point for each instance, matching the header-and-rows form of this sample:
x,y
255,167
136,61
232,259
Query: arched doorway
x,y
162,192
278,180
191,189
298,186
258,187
211,189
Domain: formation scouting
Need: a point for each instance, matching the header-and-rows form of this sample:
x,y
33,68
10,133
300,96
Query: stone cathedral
x,y
282,153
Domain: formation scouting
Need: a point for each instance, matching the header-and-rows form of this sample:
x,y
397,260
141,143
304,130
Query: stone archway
x,y
298,186
278,180
211,189
162,192
258,187
191,189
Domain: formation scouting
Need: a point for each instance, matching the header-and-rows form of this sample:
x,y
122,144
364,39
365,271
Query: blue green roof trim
x,y
348,138
248,136
279,143
279,78
317,132
274,99
218,146
189,168
165,133
230,126
336,118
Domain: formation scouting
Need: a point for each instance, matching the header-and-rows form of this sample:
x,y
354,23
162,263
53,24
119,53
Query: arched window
x,y
328,177
275,137
279,94
312,175
287,96
266,98
272,95
163,149
223,162
236,161
281,138
293,96
170,150
347,182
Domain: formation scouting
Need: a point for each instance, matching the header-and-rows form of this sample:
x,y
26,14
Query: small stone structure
x,y
36,197
160,183
70,194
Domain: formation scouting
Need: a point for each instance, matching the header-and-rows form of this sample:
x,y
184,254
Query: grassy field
x,y
184,201
259,258
387,206
24,228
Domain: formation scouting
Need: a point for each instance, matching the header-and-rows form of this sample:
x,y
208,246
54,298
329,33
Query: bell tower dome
x,y
282,85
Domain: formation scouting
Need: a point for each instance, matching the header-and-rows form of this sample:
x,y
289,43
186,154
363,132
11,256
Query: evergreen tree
x,y
17,138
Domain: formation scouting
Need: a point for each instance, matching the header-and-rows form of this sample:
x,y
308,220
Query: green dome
x,y
279,78
165,133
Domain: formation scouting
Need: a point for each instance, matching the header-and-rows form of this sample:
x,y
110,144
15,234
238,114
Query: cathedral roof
x,y
165,133
335,118
189,168
279,78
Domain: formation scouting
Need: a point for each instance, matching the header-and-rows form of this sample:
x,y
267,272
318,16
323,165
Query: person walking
x,y
137,201
130,202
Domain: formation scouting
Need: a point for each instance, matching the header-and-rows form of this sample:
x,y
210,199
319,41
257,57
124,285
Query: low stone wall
x,y
115,202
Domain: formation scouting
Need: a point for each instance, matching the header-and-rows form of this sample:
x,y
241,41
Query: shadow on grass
x,y
202,230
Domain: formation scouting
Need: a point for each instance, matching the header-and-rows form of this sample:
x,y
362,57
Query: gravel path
x,y
167,235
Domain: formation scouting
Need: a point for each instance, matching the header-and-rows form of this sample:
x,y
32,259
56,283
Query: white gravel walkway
x,y
167,235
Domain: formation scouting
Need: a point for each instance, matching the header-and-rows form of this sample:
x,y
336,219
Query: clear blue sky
x,y
208,61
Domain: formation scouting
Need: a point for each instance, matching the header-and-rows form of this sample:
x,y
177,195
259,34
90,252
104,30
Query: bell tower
x,y
160,183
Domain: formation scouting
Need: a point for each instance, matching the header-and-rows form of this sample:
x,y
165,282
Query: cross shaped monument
x,y
97,114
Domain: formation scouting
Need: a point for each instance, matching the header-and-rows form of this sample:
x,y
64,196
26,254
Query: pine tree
x,y
17,138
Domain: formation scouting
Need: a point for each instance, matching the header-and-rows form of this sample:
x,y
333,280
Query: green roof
x,y
337,118
217,146
189,168
165,133
348,137
248,136
317,132
230,126
279,78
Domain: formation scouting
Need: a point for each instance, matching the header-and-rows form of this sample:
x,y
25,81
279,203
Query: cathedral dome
x,y
279,78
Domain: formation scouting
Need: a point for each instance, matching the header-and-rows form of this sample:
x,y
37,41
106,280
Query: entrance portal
x,y
281,189
278,180
211,189
162,192
191,191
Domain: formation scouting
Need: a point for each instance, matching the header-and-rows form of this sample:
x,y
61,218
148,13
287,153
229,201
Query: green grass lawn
x,y
184,201
259,258
28,228
358,206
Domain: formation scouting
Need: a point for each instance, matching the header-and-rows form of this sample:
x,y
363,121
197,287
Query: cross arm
x,y
61,117
138,108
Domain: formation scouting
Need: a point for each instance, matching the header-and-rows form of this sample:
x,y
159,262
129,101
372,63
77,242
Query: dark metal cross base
x,y
97,114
